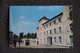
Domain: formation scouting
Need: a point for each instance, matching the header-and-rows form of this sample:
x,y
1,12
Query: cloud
x,y
57,6
25,23
50,8
41,8
17,30
22,17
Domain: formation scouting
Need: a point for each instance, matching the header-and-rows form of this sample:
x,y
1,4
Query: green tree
x,y
21,35
10,37
15,37
19,41
28,35
32,35
25,36
35,35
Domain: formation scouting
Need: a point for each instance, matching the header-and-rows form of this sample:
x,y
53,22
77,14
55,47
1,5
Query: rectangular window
x,y
59,19
59,29
54,30
44,26
55,39
71,27
44,33
70,14
50,31
50,23
54,21
60,39
47,32
44,38
71,39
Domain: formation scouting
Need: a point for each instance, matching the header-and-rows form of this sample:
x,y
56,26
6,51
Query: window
x,y
55,39
71,27
44,38
50,31
44,33
71,39
54,21
50,23
47,32
59,19
33,42
60,39
54,30
59,29
70,14
44,26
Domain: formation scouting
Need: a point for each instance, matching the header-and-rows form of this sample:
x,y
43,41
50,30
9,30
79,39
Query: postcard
x,y
41,26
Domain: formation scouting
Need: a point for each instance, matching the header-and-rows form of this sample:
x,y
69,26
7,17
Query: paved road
x,y
42,46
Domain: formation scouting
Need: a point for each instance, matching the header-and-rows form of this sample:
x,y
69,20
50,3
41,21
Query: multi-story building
x,y
58,30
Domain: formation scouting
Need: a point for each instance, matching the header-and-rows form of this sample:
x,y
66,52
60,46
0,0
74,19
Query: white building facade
x,y
58,30
28,41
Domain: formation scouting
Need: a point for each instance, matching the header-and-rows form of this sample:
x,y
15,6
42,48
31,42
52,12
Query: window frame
x,y
60,39
55,39
59,19
54,21
54,30
60,30
50,31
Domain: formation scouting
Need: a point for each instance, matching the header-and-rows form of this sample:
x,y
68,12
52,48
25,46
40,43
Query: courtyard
x,y
42,46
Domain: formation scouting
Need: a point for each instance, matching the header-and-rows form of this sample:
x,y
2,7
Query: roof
x,y
54,17
44,18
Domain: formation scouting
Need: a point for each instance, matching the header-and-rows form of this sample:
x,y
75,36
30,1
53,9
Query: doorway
x,y
27,42
37,42
50,40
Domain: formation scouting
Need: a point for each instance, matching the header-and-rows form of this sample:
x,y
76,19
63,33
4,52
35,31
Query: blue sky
x,y
25,18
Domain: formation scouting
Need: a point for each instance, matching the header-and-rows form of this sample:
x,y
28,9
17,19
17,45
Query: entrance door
x,y
37,42
50,40
27,42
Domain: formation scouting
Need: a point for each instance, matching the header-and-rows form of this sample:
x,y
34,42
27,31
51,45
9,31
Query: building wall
x,y
32,42
65,33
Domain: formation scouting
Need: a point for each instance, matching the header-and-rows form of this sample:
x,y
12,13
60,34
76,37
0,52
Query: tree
x,y
32,35
19,40
25,36
15,37
10,37
21,35
28,35
35,35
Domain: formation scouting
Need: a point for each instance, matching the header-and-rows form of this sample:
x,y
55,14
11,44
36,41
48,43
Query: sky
x,y
25,18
